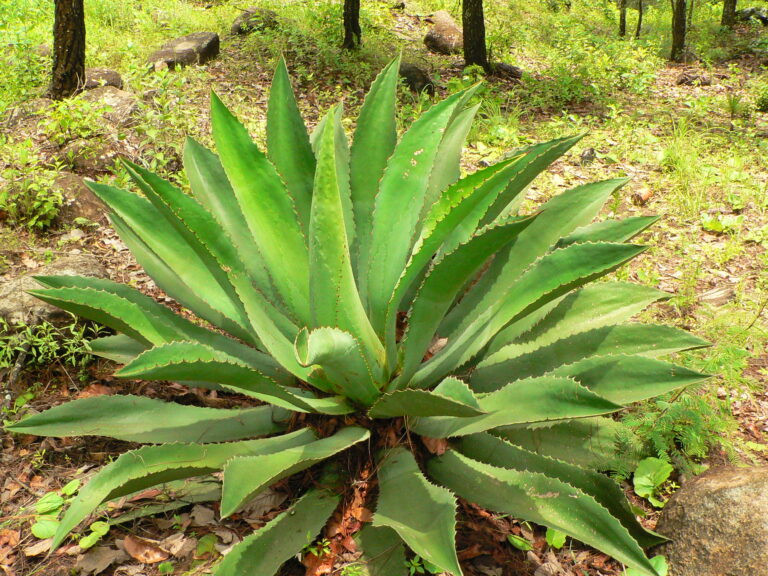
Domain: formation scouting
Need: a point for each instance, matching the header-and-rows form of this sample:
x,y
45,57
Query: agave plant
x,y
367,297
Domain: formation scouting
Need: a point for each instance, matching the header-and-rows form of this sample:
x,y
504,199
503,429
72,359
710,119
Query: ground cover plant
x,y
395,320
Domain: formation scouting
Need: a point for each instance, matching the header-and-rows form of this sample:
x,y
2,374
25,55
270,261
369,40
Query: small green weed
x,y
649,477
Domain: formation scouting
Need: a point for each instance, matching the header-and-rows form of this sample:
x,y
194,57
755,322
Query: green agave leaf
x,y
121,349
541,499
422,514
192,361
627,379
152,465
552,276
288,144
523,360
589,442
267,207
399,205
592,306
606,492
373,143
138,419
451,398
341,362
335,299
383,551
245,477
609,230
263,552
523,401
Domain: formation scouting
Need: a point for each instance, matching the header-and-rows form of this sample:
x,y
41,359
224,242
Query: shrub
x,y
369,298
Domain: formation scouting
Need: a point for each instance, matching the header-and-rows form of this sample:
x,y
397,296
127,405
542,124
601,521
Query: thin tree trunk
x,y
473,22
690,14
729,13
68,49
352,31
639,18
678,30
622,18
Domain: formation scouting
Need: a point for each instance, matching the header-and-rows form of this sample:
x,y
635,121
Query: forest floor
x,y
696,155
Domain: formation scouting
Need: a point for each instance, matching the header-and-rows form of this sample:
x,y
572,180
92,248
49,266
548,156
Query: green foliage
x,y
650,475
372,281
555,538
72,119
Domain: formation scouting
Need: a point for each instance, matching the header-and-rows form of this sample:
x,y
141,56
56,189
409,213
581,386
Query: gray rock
x,y
718,524
759,14
121,104
416,79
96,77
79,201
445,36
195,48
507,70
18,306
90,157
255,19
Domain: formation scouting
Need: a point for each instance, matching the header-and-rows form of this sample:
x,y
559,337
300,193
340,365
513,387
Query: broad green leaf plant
x,y
362,296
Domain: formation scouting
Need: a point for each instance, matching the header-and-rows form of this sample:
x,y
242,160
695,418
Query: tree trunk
x,y
622,18
729,13
68,49
352,31
639,18
473,22
691,4
678,30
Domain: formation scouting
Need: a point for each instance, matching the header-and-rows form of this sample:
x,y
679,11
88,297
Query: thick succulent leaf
x,y
626,379
288,144
443,284
212,189
152,465
193,361
606,492
609,230
593,306
263,552
268,209
524,360
341,152
120,349
558,217
336,356
399,203
373,143
589,442
451,398
423,515
245,477
383,551
138,419
335,299
541,499
549,278
523,401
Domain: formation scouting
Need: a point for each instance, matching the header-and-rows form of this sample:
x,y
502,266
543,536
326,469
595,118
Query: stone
x,y
17,306
718,524
255,19
195,48
96,77
79,201
693,79
445,36
90,157
121,104
507,70
759,14
416,78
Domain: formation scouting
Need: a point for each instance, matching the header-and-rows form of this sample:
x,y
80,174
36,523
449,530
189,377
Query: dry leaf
x,y
437,446
202,516
98,559
95,390
143,550
40,547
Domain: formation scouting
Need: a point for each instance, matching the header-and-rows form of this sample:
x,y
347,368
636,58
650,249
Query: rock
x,y
587,156
255,19
718,296
90,156
416,79
718,524
759,14
693,79
79,201
445,36
195,48
18,306
96,77
507,70
122,105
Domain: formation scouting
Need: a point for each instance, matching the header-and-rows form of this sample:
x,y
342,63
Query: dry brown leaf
x,y
98,559
95,390
143,550
437,446
39,547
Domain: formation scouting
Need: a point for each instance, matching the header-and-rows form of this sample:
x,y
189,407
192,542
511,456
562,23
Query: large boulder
x,y
79,201
195,48
97,77
255,19
120,105
718,524
18,306
445,36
